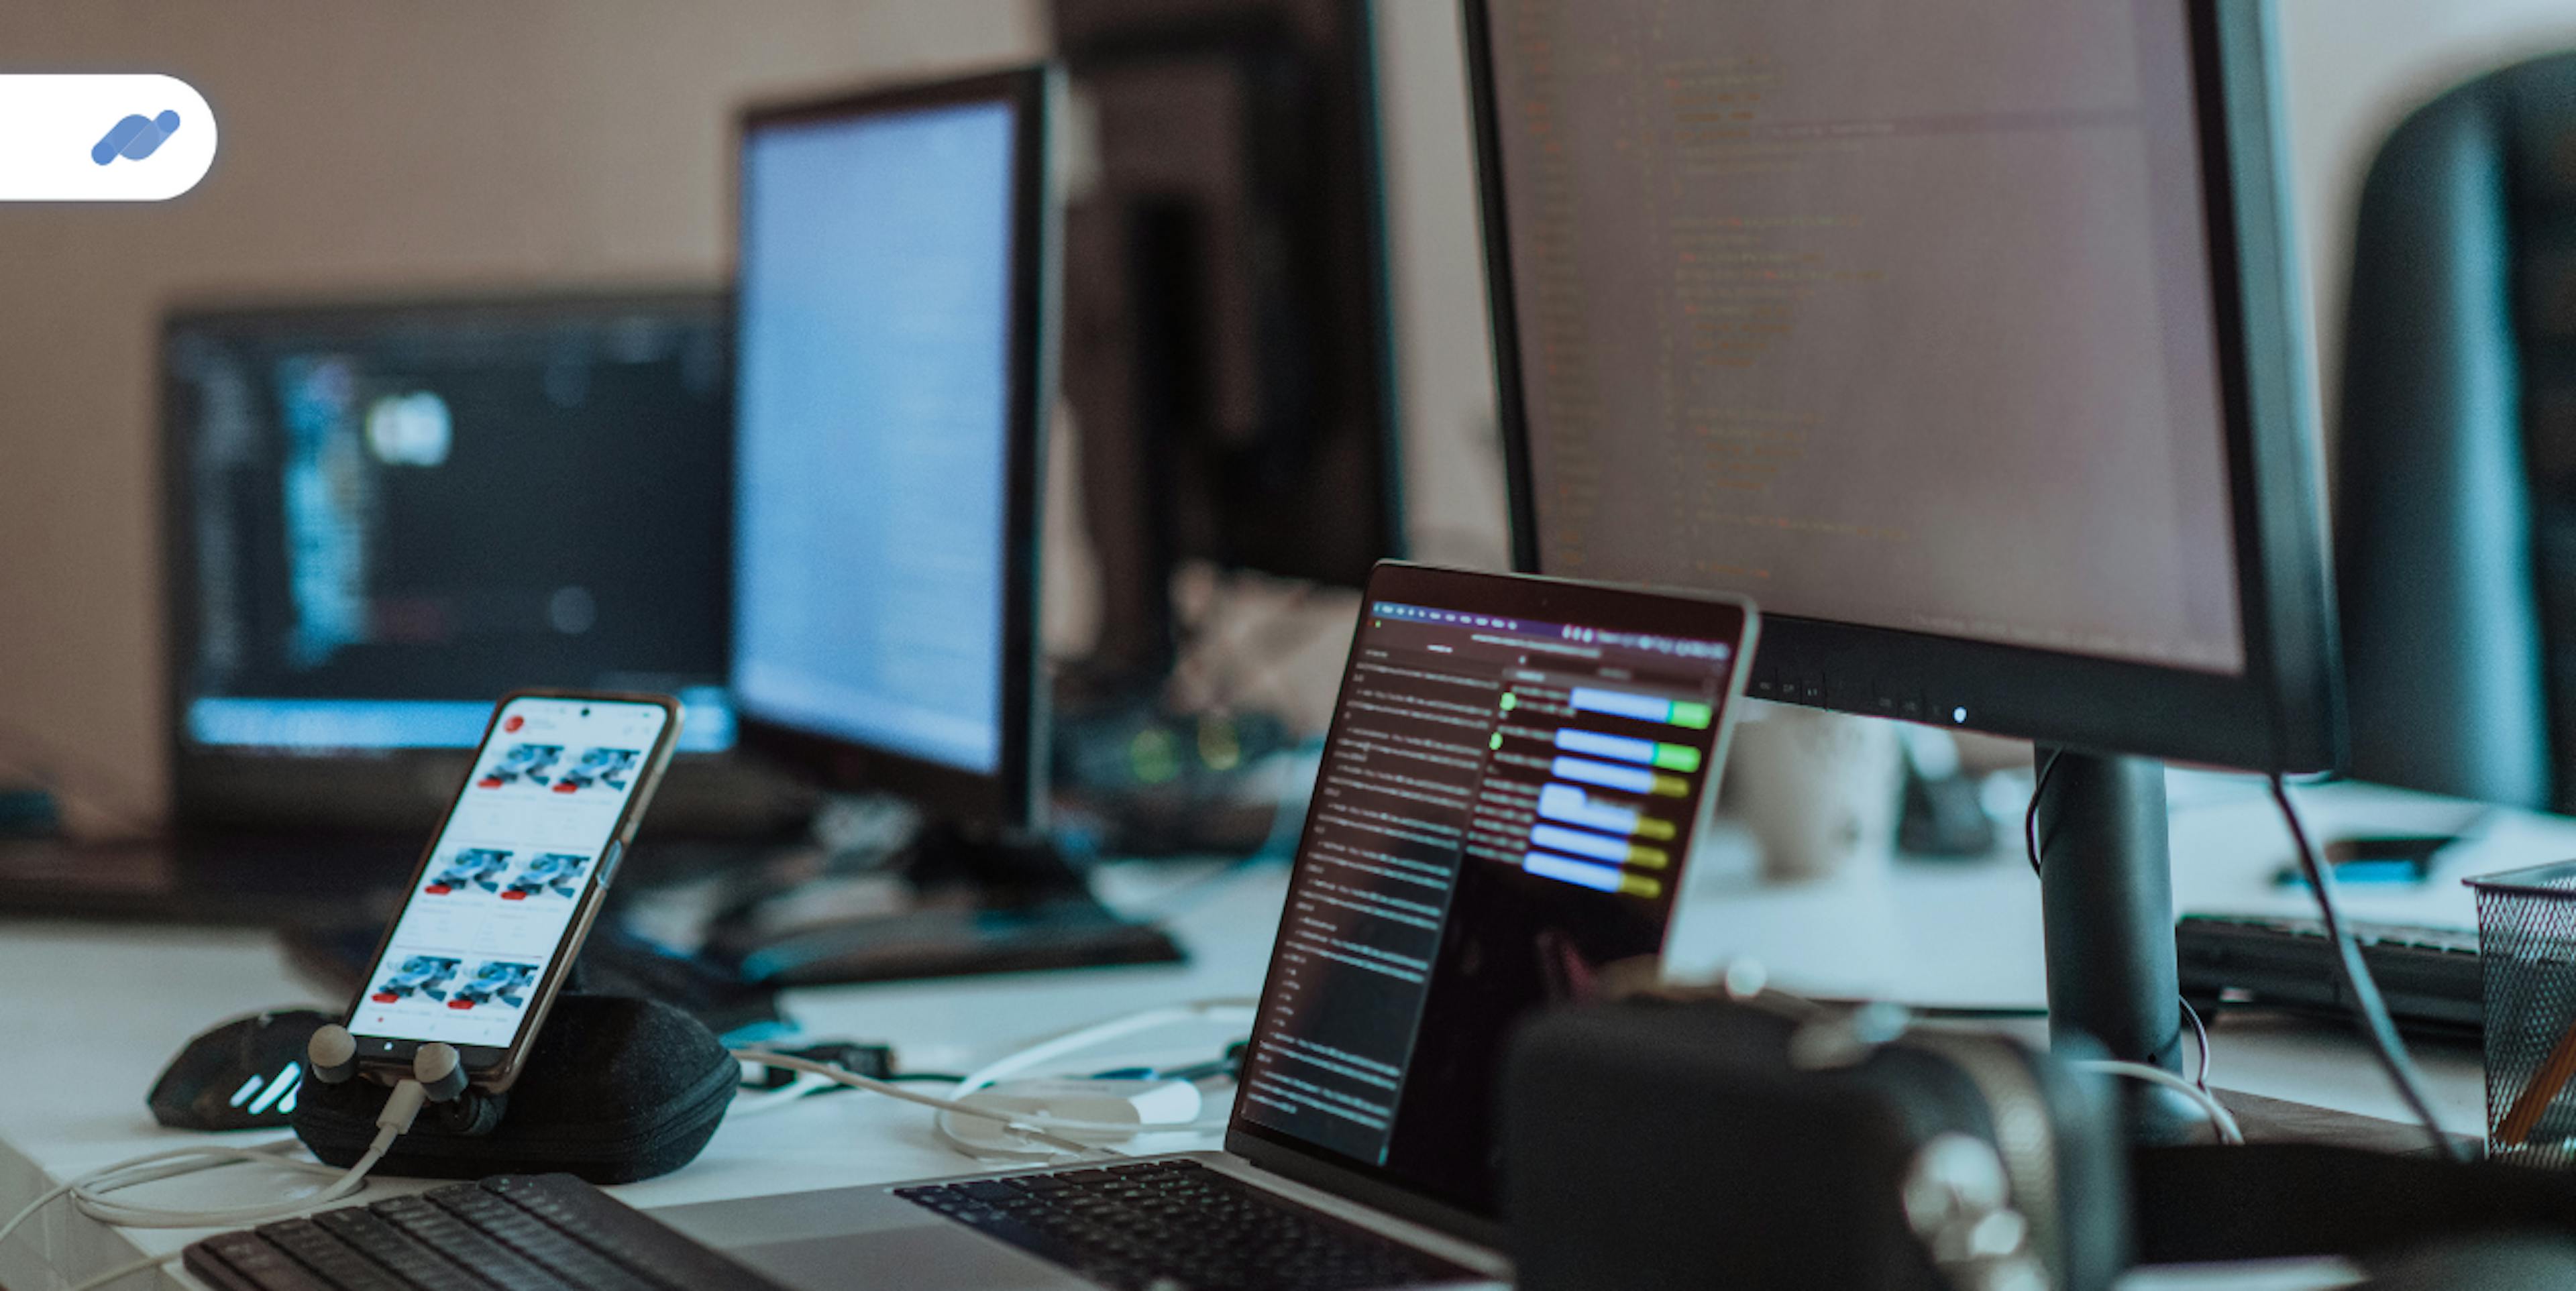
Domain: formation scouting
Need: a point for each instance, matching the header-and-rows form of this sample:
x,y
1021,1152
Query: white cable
x,y
1034,1127
1238,1012
91,1192
2200,1030
767,1101
166,1165
31,1208
2220,1118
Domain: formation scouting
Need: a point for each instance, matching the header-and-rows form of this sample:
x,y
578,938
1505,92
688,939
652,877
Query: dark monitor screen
x,y
887,438
1957,338
387,516
1511,787
1231,359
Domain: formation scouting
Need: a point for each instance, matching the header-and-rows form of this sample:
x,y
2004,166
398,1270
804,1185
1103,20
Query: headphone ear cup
x,y
440,1071
472,1114
331,1056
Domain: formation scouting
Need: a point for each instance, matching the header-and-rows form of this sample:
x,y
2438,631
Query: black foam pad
x,y
615,1090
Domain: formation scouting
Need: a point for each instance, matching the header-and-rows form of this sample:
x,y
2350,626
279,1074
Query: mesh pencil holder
x,y
2527,950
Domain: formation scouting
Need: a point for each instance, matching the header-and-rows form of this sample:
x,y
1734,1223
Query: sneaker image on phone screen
x,y
468,870
424,975
555,874
610,767
497,983
530,762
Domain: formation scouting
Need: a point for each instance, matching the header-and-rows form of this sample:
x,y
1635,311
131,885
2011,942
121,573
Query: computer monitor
x,y
382,516
895,377
1229,321
1962,340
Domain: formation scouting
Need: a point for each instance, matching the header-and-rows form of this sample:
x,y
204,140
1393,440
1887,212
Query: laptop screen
x,y
1512,783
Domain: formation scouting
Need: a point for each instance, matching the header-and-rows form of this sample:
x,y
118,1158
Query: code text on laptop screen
x,y
1502,813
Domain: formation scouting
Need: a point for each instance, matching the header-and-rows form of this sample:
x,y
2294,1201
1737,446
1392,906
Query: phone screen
x,y
509,871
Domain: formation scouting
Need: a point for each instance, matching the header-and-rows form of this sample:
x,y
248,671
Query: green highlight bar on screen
x,y
1670,757
1684,713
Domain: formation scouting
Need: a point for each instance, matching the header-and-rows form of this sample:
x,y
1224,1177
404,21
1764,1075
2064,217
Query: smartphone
x,y
510,883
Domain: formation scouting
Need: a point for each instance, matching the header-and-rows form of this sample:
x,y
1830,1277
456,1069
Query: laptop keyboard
x,y
1179,1226
522,1232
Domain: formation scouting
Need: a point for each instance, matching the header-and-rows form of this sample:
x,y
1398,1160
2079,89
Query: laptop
x,y
1516,770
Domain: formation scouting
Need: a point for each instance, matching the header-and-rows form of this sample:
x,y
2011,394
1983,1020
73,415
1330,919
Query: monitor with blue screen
x,y
888,424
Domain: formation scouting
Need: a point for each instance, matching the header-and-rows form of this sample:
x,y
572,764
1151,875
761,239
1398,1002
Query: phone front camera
x,y
585,712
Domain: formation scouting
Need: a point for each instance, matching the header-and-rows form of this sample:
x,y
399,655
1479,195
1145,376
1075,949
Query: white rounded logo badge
x,y
110,138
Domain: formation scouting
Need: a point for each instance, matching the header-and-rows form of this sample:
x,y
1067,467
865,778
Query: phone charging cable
x,y
1061,1134
438,1076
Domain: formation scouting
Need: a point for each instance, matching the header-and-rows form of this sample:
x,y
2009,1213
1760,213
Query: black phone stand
x,y
615,1090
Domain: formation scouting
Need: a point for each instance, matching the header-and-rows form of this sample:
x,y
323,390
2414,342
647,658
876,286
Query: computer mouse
x,y
242,1075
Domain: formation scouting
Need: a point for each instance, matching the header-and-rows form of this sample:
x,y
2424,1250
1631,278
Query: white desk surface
x,y
90,1013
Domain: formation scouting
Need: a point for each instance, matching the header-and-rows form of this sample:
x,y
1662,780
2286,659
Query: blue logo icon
x,y
135,137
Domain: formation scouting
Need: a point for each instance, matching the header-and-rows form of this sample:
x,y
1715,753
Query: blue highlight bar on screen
x,y
1599,878
1620,703
1591,874
1596,846
1599,745
1583,771
1566,803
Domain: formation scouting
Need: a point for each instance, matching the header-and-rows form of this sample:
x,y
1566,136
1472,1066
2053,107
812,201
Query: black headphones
x,y
332,1058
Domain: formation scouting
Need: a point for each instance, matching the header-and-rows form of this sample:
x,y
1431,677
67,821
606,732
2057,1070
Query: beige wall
x,y
467,143
2355,68
480,143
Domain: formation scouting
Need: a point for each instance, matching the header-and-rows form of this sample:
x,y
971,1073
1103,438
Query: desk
x,y
91,1013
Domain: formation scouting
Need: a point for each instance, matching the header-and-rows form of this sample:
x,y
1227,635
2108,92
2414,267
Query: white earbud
x,y
440,1071
331,1056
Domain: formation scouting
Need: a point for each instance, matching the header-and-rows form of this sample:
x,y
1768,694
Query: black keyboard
x,y
548,1232
1179,1226
2430,977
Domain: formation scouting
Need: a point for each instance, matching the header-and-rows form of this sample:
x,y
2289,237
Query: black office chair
x,y
2456,489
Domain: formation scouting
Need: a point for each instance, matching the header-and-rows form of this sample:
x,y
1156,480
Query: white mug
x,y
1819,791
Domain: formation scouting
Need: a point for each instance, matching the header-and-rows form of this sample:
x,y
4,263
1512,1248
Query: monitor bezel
x,y
2283,712
358,791
1012,796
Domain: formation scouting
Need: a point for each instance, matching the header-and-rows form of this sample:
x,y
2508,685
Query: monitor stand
x,y
973,903
2106,904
